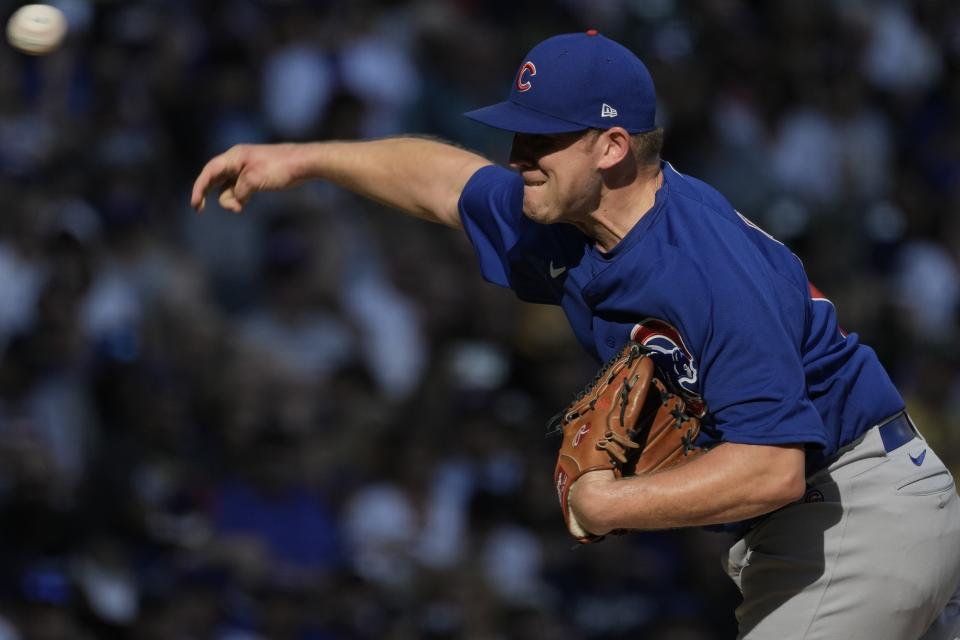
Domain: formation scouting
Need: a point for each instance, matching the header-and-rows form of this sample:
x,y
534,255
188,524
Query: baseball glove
x,y
625,420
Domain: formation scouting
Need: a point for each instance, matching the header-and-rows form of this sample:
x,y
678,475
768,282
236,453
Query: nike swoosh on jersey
x,y
556,272
919,459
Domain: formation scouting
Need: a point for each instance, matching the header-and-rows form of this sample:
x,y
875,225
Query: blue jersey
x,y
726,310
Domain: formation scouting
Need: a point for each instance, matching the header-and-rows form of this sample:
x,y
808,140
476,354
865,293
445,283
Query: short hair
x,y
647,146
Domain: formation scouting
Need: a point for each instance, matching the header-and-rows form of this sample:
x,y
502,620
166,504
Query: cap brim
x,y
510,116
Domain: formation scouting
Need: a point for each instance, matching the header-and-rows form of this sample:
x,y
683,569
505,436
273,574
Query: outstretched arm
x,y
419,176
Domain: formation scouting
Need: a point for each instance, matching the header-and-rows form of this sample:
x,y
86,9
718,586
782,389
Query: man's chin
x,y
539,217
538,214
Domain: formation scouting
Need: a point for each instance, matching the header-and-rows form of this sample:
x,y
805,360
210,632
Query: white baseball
x,y
36,28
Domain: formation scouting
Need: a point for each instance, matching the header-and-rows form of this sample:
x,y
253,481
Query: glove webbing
x,y
555,424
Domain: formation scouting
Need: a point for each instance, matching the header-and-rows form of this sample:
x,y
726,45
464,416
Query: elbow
x,y
777,475
786,485
768,476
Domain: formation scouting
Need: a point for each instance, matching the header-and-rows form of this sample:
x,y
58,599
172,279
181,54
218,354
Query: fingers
x,y
224,169
613,450
235,196
617,446
623,441
229,201
211,172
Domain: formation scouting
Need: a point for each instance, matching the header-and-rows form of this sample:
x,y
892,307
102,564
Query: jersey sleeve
x,y
753,380
507,243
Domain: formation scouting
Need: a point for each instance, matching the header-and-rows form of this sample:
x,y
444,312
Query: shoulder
x,y
492,193
492,177
690,193
710,223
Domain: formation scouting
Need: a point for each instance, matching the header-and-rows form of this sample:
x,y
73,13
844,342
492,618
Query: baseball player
x,y
849,522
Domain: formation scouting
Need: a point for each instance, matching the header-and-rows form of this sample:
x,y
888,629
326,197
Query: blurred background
x,y
315,420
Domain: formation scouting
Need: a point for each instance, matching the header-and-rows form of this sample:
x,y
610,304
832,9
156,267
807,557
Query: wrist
x,y
588,502
304,160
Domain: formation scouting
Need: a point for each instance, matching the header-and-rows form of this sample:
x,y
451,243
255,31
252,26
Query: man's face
x,y
560,180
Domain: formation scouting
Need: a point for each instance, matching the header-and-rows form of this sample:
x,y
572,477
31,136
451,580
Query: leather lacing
x,y
555,423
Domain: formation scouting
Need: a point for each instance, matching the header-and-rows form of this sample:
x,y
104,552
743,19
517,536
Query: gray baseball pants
x,y
871,553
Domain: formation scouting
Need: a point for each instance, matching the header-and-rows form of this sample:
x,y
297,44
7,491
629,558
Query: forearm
x,y
419,176
728,484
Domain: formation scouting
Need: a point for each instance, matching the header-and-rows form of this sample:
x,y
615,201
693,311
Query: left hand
x,y
586,500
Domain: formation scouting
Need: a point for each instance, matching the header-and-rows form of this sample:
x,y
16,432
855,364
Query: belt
x,y
897,431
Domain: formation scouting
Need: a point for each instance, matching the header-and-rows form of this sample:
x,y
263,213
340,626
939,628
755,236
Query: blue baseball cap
x,y
573,82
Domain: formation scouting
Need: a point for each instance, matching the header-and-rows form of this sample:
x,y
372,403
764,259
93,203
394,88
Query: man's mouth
x,y
534,183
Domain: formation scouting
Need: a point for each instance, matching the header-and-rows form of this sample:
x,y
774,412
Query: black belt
x,y
897,431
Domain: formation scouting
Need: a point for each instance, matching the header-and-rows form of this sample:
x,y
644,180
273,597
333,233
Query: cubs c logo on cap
x,y
531,70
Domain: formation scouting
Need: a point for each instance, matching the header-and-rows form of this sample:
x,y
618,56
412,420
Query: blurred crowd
x,y
315,420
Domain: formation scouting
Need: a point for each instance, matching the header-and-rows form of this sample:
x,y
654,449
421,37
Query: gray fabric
x,y
877,558
947,624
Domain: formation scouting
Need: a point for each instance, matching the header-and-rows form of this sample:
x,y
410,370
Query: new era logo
x,y
606,111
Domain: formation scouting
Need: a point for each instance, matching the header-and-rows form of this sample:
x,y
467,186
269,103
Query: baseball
x,y
36,29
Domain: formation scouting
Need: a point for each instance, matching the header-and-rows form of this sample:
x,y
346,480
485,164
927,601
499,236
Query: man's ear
x,y
613,147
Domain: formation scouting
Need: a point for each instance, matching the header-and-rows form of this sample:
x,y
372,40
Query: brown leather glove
x,y
626,421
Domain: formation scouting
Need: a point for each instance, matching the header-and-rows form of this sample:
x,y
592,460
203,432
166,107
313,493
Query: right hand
x,y
588,491
245,169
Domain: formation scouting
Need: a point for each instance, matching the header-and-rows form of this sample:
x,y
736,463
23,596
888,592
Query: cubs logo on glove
x,y
625,420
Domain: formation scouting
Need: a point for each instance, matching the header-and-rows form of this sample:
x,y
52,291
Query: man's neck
x,y
621,209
